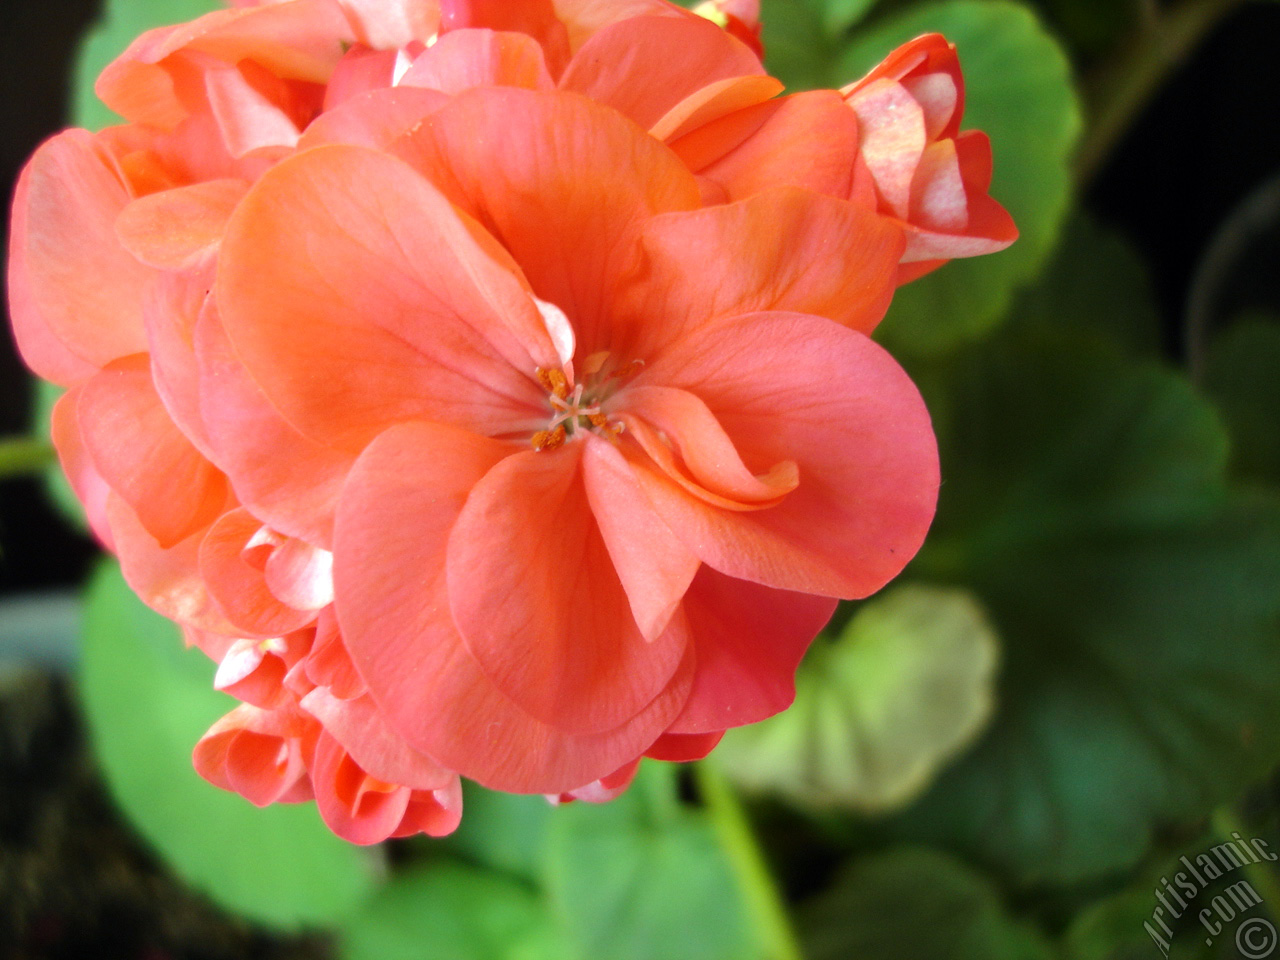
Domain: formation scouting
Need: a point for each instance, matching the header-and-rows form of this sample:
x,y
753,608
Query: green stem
x,y
1120,89
764,899
1263,877
23,456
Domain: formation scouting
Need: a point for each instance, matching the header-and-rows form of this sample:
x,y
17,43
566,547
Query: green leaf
x,y
904,688
839,15
1020,91
1240,374
797,47
1137,600
505,831
448,911
1096,285
1123,927
148,700
643,877
802,38
121,23
915,903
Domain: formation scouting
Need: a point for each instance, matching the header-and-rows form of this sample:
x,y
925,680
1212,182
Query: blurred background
x,y
1006,754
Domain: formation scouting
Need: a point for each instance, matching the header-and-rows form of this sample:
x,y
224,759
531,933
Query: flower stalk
x,y
764,900
24,456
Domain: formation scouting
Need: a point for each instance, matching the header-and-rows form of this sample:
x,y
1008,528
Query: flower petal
x,y
807,140
301,575
174,229
402,500
90,489
566,195
628,65
363,732
537,18
436,813
585,18
255,753
240,587
287,479
653,564
535,596
684,747
376,118
389,24
165,579
359,808
784,249
299,40
78,282
143,456
357,298
715,100
893,139
684,439
40,348
329,664
470,58
801,388
749,640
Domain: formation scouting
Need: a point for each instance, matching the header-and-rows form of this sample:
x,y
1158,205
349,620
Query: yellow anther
x,y
554,381
548,439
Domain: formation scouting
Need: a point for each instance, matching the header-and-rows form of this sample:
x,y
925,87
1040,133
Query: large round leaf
x,y
147,700
906,685
915,903
448,911
1096,285
644,877
1240,374
1137,601
1019,90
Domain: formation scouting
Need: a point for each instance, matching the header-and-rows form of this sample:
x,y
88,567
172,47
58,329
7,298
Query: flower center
x,y
579,408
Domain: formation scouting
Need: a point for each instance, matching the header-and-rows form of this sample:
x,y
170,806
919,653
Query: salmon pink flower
x,y
613,458
485,389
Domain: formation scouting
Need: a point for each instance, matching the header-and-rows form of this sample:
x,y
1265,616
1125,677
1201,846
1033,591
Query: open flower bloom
x,y
487,391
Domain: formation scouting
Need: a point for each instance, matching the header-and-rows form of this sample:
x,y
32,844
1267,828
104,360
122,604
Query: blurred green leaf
x,y
1240,374
1096,284
1113,929
917,904
1020,91
1137,601
122,21
798,50
448,911
505,831
905,687
644,877
839,15
147,700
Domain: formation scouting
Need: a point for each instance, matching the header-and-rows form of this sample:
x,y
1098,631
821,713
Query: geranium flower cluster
x,y
485,385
